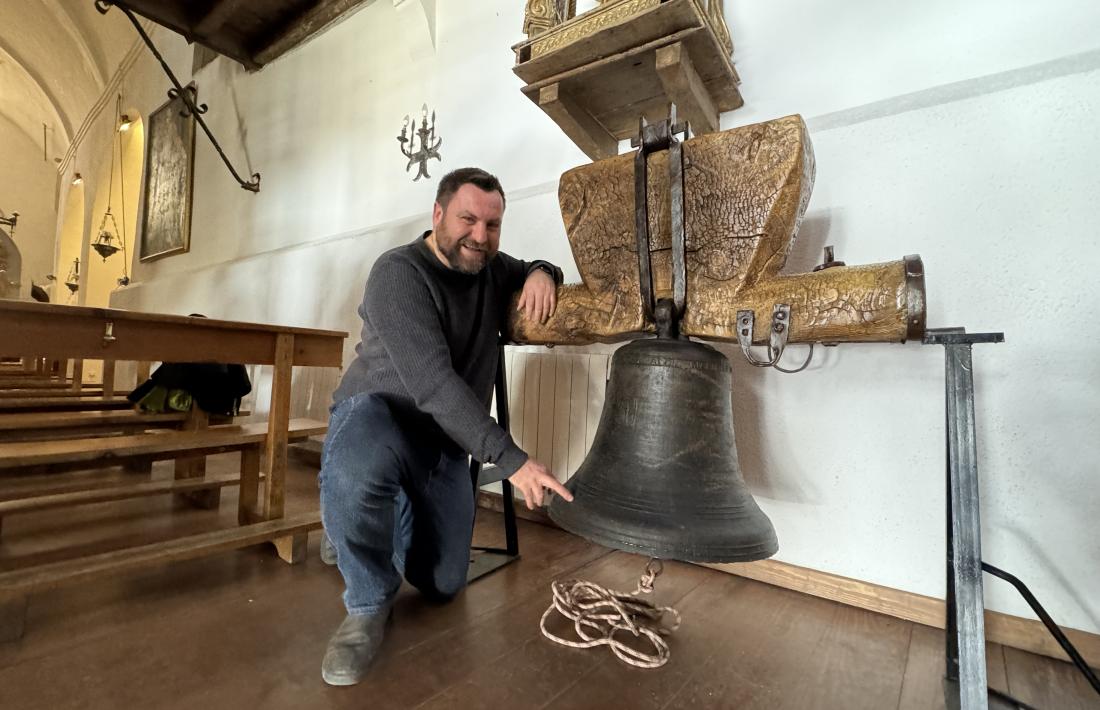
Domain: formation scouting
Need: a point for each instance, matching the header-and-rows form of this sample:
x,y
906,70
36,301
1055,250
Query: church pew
x,y
29,426
49,403
74,454
30,392
44,333
289,532
94,452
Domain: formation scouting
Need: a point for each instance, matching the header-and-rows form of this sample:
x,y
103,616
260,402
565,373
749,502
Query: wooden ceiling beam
x,y
213,20
307,24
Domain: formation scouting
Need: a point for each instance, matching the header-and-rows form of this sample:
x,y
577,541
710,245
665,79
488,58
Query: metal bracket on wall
x,y
965,684
253,185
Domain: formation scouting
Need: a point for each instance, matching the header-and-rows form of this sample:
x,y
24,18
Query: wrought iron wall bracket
x,y
184,95
10,221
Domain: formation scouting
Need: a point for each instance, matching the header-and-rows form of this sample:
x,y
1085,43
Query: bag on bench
x,y
216,388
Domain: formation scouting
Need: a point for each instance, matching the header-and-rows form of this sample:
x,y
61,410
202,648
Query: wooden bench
x,y
20,426
47,333
85,453
16,585
29,392
37,425
47,403
42,383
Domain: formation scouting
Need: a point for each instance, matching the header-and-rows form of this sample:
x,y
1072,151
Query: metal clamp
x,y
652,138
109,333
777,335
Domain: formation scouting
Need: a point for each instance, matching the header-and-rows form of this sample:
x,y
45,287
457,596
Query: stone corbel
x,y
418,18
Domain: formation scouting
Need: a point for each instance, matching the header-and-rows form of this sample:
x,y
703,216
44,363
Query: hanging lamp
x,y
105,243
72,281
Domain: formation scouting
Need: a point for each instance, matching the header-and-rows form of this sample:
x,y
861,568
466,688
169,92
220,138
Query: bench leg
x,y
138,466
13,617
250,486
291,549
195,467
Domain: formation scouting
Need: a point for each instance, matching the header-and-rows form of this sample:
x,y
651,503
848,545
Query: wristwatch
x,y
549,271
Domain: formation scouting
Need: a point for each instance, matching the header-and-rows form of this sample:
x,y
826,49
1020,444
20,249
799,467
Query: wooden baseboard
x,y
1017,632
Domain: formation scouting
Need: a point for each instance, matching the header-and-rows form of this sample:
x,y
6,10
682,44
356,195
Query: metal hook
x,y
777,334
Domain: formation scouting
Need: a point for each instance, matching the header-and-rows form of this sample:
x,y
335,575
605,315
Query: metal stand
x,y
491,559
965,685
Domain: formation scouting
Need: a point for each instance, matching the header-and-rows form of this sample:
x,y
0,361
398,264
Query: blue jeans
x,y
393,503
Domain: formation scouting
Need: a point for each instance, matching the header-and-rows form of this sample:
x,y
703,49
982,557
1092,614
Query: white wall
x,y
26,187
963,132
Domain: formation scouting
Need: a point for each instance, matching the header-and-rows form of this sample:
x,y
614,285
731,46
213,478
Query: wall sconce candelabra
x,y
429,143
77,180
10,221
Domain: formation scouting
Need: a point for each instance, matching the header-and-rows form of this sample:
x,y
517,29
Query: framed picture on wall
x,y
169,173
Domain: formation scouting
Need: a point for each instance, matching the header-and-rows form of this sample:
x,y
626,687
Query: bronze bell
x,y
662,477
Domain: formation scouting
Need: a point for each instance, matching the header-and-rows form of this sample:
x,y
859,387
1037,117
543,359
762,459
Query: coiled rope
x,y
598,614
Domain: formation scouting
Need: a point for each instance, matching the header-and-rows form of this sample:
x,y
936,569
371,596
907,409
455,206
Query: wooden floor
x,y
244,630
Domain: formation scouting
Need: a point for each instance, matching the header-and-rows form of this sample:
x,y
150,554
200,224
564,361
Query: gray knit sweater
x,y
429,347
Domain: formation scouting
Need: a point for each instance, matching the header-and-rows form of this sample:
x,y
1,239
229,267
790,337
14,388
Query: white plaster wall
x,y
964,132
996,193
26,187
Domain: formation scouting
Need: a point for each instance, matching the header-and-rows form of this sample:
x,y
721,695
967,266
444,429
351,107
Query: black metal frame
x,y
965,684
493,558
652,138
253,185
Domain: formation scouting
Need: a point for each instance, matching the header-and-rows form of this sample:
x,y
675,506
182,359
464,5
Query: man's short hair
x,y
455,179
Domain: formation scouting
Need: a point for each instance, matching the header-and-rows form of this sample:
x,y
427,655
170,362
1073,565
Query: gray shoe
x,y
328,552
352,648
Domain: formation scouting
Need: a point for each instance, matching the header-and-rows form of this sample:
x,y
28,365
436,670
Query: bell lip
x,y
750,553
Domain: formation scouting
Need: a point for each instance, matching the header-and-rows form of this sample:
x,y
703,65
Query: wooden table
x,y
32,329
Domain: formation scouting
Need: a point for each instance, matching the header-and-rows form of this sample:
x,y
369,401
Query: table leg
x,y
108,379
195,466
275,454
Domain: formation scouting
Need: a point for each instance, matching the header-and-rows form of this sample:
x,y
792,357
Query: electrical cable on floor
x,y
599,613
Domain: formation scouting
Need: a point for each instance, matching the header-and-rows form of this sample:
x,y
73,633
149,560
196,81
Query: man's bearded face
x,y
467,230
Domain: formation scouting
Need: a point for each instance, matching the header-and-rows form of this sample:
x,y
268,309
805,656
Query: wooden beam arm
x,y
685,88
578,124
